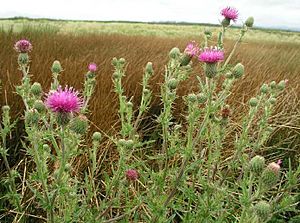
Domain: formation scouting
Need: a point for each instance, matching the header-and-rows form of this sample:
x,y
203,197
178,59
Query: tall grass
x,y
264,61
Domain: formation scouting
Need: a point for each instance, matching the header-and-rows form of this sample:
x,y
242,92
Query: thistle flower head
x,y
132,175
211,55
191,49
23,46
92,67
63,100
275,167
230,13
225,112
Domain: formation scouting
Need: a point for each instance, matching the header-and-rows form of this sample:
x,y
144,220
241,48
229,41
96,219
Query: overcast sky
x,y
267,13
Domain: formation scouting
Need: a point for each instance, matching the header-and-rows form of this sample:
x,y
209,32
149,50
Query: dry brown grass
x,y
263,61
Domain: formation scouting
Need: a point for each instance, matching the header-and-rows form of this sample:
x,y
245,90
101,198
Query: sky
x,y
267,13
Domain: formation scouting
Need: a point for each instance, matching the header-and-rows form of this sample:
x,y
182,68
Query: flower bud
x,y
63,118
174,53
149,68
264,89
202,98
32,117
68,167
79,124
56,67
131,175
39,106
185,59
97,136
46,148
129,143
122,61
129,104
229,75
225,22
253,102
238,70
207,32
281,85
146,91
114,61
273,85
23,59
172,83
117,75
262,209
122,142
36,89
249,22
257,164
270,175
192,98
272,100
5,108
211,70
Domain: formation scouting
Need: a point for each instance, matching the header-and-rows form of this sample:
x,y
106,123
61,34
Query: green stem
x,y
233,50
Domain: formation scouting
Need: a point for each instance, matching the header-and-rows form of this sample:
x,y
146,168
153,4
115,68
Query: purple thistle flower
x,y
23,46
230,13
132,175
92,67
211,55
191,49
63,101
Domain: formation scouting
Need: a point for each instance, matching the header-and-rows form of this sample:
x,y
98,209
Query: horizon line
x,y
276,28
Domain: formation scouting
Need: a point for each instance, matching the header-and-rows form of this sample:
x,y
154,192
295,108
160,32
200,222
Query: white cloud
x,y
270,13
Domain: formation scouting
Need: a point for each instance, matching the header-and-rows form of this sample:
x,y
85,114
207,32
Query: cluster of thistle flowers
x,y
62,112
68,109
214,54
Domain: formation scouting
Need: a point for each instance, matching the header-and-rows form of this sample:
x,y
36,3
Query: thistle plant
x,y
187,173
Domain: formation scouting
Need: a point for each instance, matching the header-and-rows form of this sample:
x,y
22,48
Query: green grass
x,y
136,28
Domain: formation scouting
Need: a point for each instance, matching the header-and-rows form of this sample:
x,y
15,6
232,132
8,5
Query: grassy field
x,y
267,55
145,29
